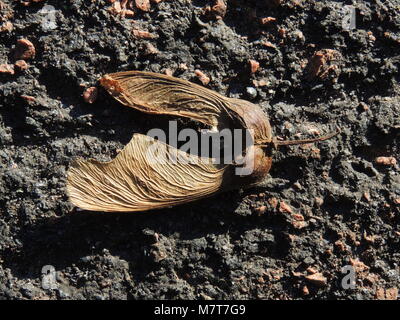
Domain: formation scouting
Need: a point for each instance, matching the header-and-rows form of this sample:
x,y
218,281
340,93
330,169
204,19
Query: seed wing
x,y
160,94
147,174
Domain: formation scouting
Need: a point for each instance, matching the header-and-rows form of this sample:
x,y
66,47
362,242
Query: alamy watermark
x,y
48,20
225,147
49,277
349,280
348,18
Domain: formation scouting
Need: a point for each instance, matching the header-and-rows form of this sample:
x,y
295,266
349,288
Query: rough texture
x,y
324,206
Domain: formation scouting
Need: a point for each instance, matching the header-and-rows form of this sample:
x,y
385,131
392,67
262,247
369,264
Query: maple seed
x,y
143,177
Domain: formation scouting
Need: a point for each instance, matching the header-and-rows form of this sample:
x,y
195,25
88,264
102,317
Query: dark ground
x,y
228,246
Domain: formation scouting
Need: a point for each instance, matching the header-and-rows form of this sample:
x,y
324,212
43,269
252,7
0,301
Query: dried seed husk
x,y
142,177
138,181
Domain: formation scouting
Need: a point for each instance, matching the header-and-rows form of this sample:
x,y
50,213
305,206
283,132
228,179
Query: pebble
x,y
251,92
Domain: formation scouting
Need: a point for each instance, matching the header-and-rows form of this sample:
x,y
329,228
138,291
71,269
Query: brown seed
x,y
90,95
24,50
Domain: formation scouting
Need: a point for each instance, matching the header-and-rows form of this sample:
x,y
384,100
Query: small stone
x,y
216,11
21,65
364,106
6,26
367,196
261,210
312,270
386,161
28,98
358,265
268,44
267,20
273,202
319,201
323,63
251,92
284,208
298,217
141,34
90,95
340,245
297,186
24,50
260,83
169,72
282,32
219,9
254,65
150,49
299,224
143,5
204,79
6,68
369,239
388,294
183,66
317,279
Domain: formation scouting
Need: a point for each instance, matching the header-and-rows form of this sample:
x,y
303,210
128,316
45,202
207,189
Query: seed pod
x,y
143,177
